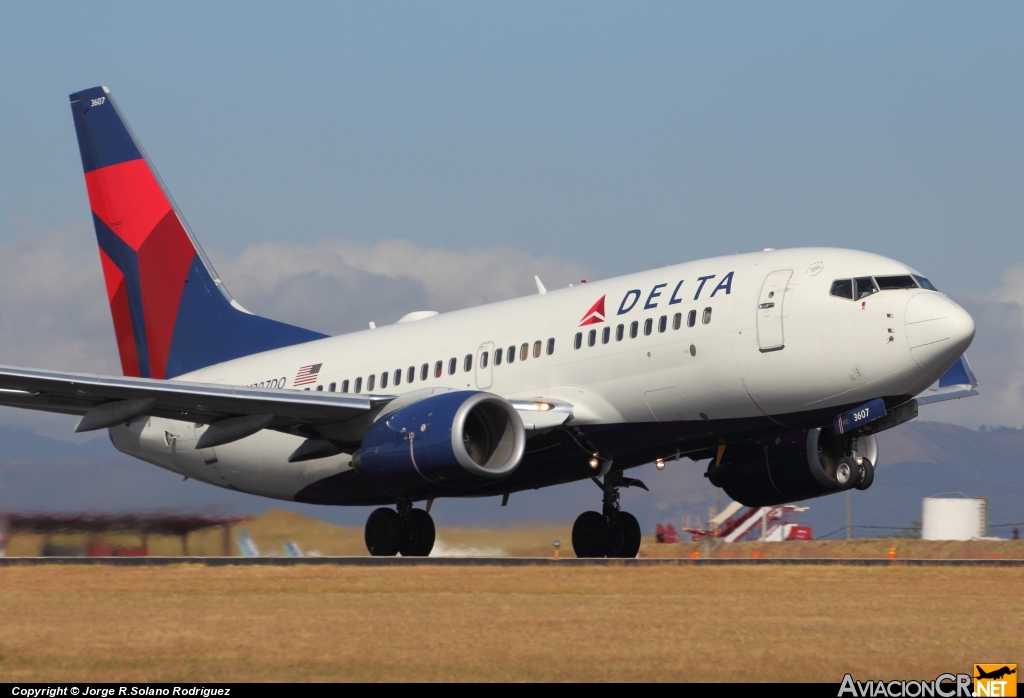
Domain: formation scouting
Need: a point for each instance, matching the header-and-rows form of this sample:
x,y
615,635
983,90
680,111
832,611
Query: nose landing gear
x,y
407,531
612,533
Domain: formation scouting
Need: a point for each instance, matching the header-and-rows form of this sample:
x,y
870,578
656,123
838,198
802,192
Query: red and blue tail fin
x,y
171,313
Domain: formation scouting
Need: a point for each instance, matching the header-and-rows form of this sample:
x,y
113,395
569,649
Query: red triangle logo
x,y
595,314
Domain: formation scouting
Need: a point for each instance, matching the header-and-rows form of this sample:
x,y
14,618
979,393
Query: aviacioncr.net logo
x,y
943,686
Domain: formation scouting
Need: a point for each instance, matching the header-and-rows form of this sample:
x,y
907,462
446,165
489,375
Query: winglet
x,y
959,381
540,286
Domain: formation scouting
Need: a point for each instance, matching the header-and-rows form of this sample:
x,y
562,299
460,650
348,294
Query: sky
x,y
618,135
344,163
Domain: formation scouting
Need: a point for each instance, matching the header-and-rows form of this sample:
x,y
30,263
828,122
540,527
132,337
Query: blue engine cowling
x,y
453,441
785,468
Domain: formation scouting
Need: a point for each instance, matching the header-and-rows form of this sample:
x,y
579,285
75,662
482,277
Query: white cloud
x,y
53,304
339,286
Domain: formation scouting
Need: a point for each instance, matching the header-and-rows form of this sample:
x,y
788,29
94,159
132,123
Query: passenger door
x,y
484,361
770,311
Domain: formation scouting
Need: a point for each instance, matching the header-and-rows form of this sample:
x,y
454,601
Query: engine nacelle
x,y
457,440
787,468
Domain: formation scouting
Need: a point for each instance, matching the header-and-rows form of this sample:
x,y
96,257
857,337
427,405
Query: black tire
x,y
625,538
590,535
383,532
847,473
417,535
867,475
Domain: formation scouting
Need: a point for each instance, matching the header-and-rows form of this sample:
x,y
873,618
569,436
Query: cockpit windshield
x,y
925,283
864,286
895,283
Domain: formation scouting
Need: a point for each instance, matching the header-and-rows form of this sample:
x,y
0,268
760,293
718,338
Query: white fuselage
x,y
806,351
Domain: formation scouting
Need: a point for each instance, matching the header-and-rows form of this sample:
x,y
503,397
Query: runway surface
x,y
497,562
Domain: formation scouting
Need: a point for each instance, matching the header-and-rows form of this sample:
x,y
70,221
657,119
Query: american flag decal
x,y
307,375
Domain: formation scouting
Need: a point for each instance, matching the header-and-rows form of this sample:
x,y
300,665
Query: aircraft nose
x,y
938,330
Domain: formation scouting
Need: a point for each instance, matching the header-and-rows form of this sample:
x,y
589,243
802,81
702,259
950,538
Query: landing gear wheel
x,y
625,537
867,474
590,535
383,532
847,472
417,534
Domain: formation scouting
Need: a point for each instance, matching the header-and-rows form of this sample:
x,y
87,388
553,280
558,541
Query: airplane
x,y
779,366
994,674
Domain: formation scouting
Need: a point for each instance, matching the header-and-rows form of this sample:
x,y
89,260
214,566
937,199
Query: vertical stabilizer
x,y
171,313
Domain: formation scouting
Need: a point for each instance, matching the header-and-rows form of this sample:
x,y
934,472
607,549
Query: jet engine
x,y
453,441
792,467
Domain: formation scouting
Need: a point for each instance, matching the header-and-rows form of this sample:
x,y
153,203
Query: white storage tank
x,y
954,518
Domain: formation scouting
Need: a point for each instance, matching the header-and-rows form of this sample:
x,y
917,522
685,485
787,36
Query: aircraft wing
x,y
105,401
959,381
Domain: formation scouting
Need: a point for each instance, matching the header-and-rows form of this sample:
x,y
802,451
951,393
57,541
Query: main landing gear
x,y
407,531
854,472
612,533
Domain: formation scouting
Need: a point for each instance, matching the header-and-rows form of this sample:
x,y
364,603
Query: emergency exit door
x,y
484,361
771,334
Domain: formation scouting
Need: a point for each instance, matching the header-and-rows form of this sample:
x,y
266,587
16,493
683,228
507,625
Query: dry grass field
x,y
327,623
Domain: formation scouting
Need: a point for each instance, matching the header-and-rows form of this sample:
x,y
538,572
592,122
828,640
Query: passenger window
x,y
398,376
453,363
369,382
344,386
551,346
498,356
620,331
383,380
578,340
648,326
524,352
606,335
359,385
319,388
691,318
467,363
438,369
331,387
411,374
511,356
707,316
633,328
677,321
662,323
925,283
591,338
842,288
865,287
483,359
536,349
895,283
425,371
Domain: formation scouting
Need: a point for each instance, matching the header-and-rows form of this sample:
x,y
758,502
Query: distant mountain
x,y
918,459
